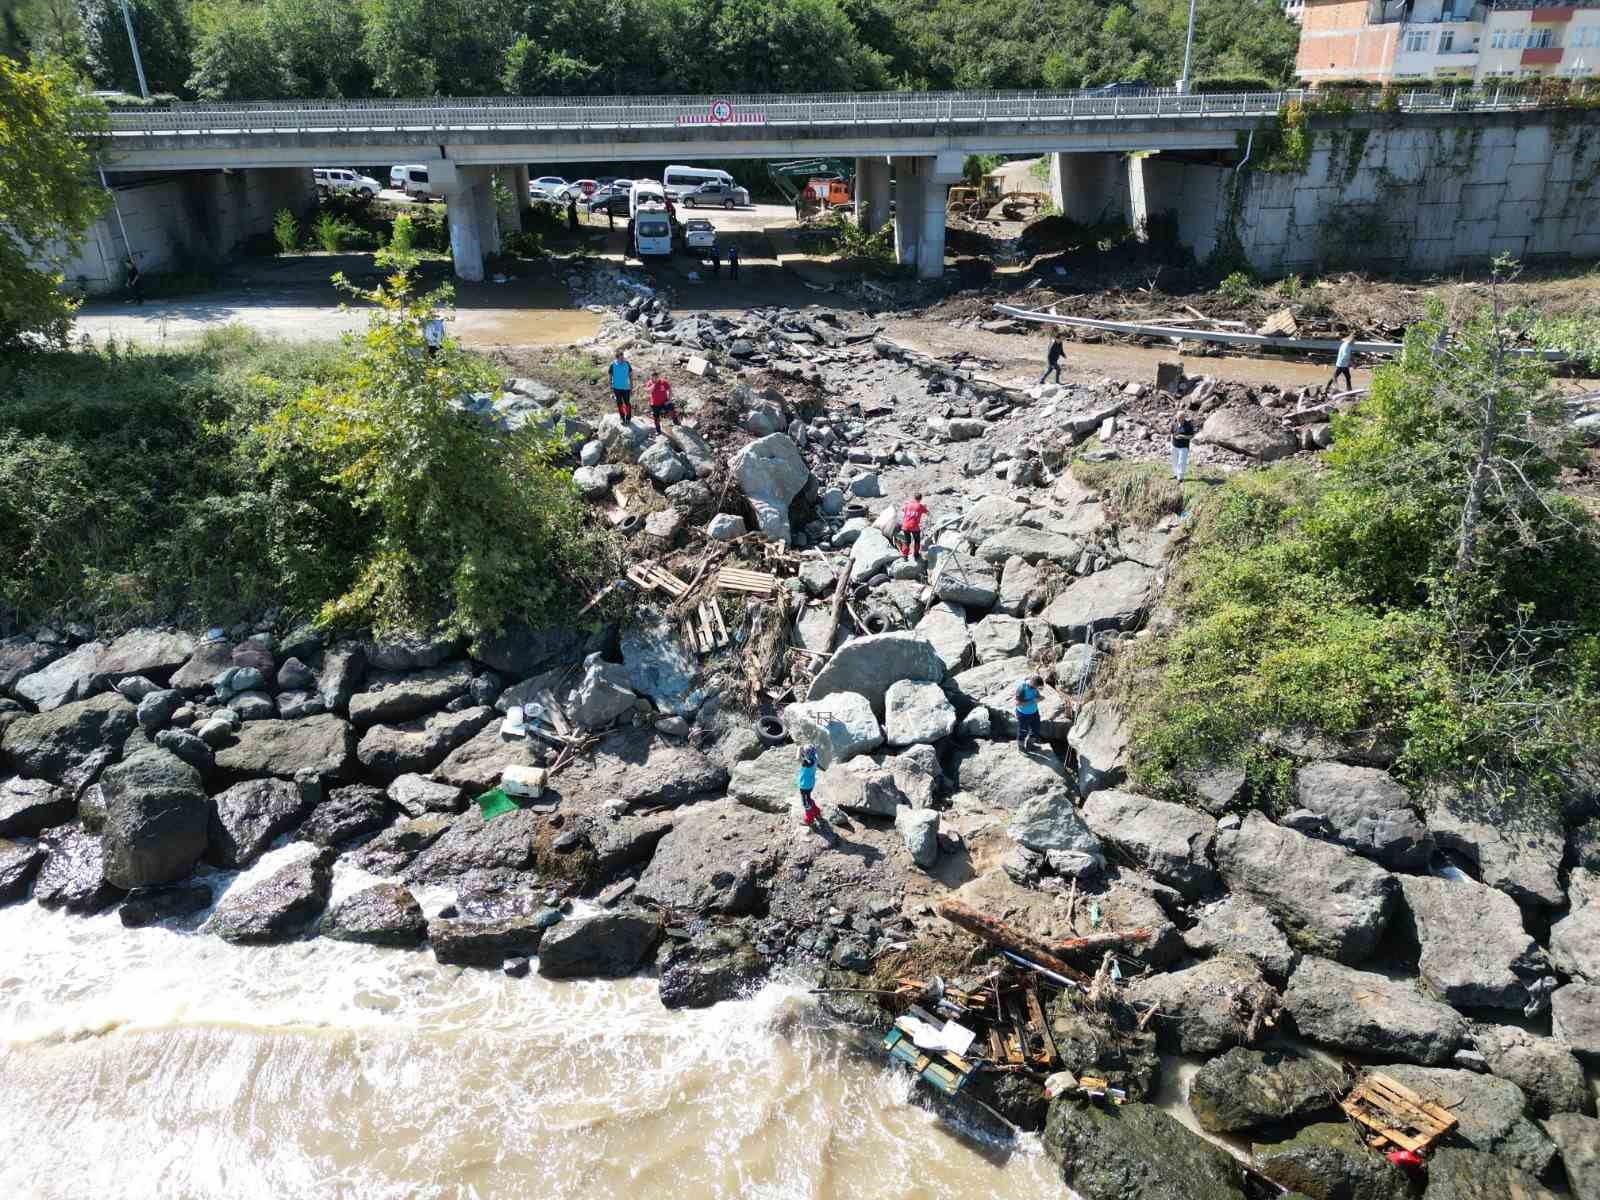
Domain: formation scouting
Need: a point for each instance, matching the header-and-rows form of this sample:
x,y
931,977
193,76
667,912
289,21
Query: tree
x,y
165,43
47,199
234,57
318,44
437,47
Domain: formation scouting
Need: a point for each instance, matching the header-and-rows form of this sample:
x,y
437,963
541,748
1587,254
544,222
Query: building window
x,y
1447,41
1498,41
1516,38
1541,39
1417,41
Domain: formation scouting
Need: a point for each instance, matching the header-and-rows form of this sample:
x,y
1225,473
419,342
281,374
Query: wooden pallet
x,y
1396,1114
705,629
649,576
739,579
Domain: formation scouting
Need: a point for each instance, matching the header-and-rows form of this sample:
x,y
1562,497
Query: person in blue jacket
x,y
1027,696
806,779
622,384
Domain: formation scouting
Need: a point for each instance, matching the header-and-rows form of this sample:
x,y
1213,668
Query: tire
x,y
728,204
688,203
771,732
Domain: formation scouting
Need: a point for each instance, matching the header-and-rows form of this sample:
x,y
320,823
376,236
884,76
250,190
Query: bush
x,y
333,233
286,231
522,245
1237,288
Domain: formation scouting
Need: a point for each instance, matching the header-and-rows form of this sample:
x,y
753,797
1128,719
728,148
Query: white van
x,y
652,224
680,180
412,179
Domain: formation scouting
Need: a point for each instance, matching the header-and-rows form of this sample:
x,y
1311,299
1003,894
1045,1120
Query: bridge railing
x,y
662,112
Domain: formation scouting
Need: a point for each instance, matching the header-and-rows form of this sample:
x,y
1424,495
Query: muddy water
x,y
158,1063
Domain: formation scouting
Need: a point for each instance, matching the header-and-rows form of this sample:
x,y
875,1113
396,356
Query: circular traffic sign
x,y
721,112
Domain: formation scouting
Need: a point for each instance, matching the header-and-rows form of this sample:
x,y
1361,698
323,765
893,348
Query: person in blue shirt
x,y
1342,360
622,384
1027,697
806,779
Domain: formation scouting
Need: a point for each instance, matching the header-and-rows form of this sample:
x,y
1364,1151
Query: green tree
x,y
318,44
47,199
234,57
437,47
165,44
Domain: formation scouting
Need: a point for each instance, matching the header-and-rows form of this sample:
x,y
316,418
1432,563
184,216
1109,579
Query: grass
x,y
1141,493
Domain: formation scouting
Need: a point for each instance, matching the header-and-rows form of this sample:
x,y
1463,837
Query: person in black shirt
x,y
1182,431
1052,359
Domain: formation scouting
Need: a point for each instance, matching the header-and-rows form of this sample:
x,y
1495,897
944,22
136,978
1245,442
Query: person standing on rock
x,y
1052,358
806,781
911,527
1027,698
622,384
1341,362
661,399
1182,431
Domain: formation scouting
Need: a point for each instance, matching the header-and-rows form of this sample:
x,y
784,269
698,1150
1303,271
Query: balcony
x,y
1542,56
1543,10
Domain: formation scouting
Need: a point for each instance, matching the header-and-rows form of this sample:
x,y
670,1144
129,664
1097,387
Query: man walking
x,y
1052,359
911,527
716,261
1341,362
1027,698
622,384
1182,431
572,214
133,280
661,399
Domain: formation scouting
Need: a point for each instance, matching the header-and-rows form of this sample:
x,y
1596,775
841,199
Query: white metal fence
x,y
662,112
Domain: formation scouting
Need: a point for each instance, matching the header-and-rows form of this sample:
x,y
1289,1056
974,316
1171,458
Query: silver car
x,y
717,194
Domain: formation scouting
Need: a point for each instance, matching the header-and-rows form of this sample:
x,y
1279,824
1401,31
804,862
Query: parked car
x,y
1123,87
342,179
414,182
548,187
579,189
612,199
699,234
710,195
397,177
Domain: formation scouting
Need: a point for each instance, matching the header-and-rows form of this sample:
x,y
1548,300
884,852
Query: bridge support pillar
x,y
474,231
872,193
922,191
519,187
1091,186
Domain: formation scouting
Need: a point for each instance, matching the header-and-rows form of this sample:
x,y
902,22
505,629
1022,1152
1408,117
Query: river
x,y
159,1063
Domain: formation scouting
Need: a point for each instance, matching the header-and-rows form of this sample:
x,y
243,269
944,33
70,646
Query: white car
x,y
342,179
547,187
699,234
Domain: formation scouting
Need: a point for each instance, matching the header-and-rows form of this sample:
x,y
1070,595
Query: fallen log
x,y
841,591
1101,941
997,933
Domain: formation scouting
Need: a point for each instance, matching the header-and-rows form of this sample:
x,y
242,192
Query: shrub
x,y
1237,288
333,233
522,245
286,231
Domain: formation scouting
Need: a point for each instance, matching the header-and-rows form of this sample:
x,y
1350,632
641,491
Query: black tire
x,y
688,203
771,732
631,523
728,204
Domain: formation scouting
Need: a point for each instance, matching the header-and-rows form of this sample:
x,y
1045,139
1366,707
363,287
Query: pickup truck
x,y
341,179
717,195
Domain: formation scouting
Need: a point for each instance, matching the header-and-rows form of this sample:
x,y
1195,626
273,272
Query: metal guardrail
x,y
670,112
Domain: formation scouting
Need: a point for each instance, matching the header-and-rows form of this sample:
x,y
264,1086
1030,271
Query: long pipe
x,y
1188,49
133,41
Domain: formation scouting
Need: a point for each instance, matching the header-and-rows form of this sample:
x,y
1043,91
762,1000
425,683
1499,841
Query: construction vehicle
x,y
976,204
829,184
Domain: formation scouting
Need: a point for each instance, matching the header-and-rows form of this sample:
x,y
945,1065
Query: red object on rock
x,y
1408,1159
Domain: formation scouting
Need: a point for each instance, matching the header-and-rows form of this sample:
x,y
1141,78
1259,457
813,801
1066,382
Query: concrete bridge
x,y
919,138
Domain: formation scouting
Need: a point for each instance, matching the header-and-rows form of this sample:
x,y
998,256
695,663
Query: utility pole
x,y
1189,45
144,88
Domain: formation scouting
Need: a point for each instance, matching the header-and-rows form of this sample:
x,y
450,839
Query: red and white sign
x,y
722,112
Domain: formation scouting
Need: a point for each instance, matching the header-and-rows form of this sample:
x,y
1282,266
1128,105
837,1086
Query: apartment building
x,y
1448,41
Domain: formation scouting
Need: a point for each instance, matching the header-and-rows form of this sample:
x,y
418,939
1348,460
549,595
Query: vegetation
x,y
46,203
216,481
1431,589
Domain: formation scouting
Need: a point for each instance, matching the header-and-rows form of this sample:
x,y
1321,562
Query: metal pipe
x,y
133,41
1188,49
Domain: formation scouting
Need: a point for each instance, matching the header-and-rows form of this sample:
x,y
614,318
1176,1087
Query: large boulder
x,y
400,652
919,828
1099,737
417,795
1456,1174
21,656
962,579
603,695
1235,925
249,816
770,473
1205,1008
1475,953
1493,1114
713,966
944,627
1575,1020
1329,1161
73,874
840,727
68,678
1030,545
19,863
662,464
416,746
1002,777
871,553
507,843
660,666
322,745
766,783
1170,841
1578,1139
519,651
347,813
1259,1089
638,767
1109,599
1331,901
156,817
917,713
277,898
382,914
1370,1013
869,665
864,786
71,744
1545,1070
210,658
476,765
1368,812
715,859
1575,943
1020,583
344,666
152,652
30,806
1249,431
998,637
400,697
1136,1152
487,943
605,945
1516,841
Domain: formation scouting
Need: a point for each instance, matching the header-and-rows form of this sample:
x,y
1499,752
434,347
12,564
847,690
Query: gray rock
x,y
724,527
173,903
1330,901
155,709
343,668
591,454
665,527
19,863
864,786
392,851
233,681
1258,1089
771,473
840,727
134,688
188,747
392,750
417,795
1368,811
73,874
1575,1020
1200,1008
816,576
603,695
663,465
69,678
1575,943
207,661
869,665
1248,432
1456,1174
1492,1114
247,817
1109,599
1125,1058
1235,925
1099,737
156,816
872,553
635,767
391,698
1020,582
919,827
944,627
1031,545
1330,1162
472,844
1517,842
594,483
714,859
1578,1139
323,745
997,637
519,651
917,775
1135,1152
1475,953
475,943
1170,841
30,806
1001,777
916,712
277,900
477,764
715,965
1217,789
295,676
384,914
1546,1071
144,652
408,652
1370,1014
961,579
347,813
606,945
866,486
253,706
70,744
21,656
990,515
660,666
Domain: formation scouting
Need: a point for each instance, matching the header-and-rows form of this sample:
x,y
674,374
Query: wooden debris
x,y
1397,1115
739,579
841,590
704,629
1280,324
1101,941
650,576
1000,934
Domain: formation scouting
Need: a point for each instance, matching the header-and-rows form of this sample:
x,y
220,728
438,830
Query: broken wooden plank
x,y
1000,934
1280,324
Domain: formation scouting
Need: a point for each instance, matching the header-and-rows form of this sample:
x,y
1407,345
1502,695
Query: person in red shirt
x,y
911,527
661,400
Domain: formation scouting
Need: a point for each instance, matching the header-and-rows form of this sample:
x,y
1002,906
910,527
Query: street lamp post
x,y
138,63
1188,49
